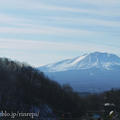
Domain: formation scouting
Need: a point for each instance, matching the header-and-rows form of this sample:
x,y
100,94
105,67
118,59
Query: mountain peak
x,y
104,57
101,53
92,60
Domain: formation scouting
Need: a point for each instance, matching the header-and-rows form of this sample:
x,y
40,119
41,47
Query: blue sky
x,y
44,31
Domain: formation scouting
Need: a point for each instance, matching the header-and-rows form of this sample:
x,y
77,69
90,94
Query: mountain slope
x,y
97,59
94,72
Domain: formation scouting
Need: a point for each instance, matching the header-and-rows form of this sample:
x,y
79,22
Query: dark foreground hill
x,y
25,89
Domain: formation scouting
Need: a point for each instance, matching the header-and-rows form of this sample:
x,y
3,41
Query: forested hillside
x,y
23,88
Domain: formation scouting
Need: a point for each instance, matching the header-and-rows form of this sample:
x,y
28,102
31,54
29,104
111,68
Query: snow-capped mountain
x,y
86,61
94,72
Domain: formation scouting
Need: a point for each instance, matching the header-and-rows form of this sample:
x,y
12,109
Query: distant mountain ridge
x,y
86,61
94,72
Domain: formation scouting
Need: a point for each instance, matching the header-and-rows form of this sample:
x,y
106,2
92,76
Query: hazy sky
x,y
44,31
